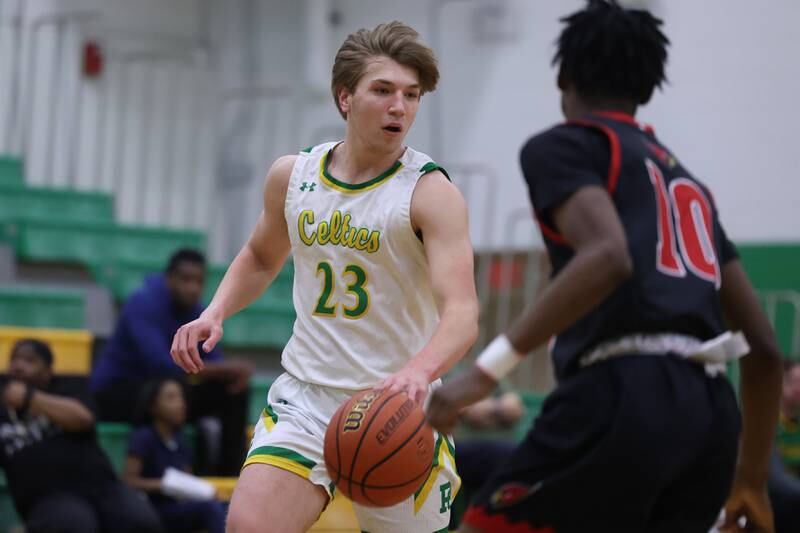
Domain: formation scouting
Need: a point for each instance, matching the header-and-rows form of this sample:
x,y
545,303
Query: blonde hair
x,y
394,40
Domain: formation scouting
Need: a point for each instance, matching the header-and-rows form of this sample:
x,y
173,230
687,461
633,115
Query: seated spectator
x,y
59,477
138,351
159,443
784,478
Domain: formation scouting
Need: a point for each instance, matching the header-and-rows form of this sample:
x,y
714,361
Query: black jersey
x,y
675,239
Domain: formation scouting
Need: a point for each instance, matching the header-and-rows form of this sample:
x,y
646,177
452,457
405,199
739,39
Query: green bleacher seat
x,y
8,514
41,308
11,171
260,326
268,321
280,291
29,203
123,277
113,438
94,243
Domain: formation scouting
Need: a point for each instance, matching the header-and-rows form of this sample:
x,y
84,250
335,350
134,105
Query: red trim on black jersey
x,y
614,165
616,152
479,518
551,233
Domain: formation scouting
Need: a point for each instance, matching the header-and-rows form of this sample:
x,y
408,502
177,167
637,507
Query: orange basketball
x,y
378,448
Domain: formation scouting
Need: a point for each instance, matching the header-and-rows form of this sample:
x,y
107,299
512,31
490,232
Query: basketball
x,y
378,448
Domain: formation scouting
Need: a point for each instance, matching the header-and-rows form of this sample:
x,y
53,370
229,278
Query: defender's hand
x,y
184,345
449,399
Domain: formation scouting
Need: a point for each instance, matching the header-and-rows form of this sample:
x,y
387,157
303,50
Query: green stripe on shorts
x,y
277,451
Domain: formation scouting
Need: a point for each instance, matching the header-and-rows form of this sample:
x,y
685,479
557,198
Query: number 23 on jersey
x,y
355,279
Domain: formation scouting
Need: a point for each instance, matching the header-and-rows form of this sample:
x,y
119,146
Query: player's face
x,y
384,104
186,284
170,404
26,365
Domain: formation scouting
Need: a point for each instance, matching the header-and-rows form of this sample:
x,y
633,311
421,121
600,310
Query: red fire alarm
x,y
92,60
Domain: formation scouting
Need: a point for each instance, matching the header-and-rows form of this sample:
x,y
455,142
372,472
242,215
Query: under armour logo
x,y
306,186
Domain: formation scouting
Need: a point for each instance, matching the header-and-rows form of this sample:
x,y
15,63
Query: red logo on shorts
x,y
512,493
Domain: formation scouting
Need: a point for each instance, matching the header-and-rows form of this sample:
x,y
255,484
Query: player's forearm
x,y
454,336
67,413
761,394
588,279
247,277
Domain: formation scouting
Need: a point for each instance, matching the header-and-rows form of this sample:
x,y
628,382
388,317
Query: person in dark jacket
x,y
139,351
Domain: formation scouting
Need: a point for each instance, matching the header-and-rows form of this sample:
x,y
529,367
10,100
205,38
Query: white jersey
x,y
362,289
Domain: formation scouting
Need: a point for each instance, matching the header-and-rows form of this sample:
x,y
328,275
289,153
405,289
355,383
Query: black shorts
x,y
634,444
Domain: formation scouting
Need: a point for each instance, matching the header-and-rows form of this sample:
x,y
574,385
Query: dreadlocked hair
x,y
607,51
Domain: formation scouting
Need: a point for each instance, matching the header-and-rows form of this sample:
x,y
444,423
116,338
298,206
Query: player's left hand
x,y
449,399
410,380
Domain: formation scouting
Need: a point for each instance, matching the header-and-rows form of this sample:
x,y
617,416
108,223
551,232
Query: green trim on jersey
x,y
432,166
352,188
307,149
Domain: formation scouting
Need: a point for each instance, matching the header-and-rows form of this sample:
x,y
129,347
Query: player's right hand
x,y
448,400
751,503
184,345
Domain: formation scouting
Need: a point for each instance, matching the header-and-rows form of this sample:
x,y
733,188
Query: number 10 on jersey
x,y
356,279
694,226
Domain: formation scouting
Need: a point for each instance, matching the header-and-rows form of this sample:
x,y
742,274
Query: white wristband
x,y
499,358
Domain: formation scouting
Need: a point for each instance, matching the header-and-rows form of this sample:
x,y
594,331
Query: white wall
x,y
730,110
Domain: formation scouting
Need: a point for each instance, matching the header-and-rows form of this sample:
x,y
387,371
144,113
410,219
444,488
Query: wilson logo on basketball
x,y
392,424
356,415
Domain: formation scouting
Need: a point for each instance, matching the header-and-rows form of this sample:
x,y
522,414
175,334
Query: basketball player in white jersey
x,y
384,289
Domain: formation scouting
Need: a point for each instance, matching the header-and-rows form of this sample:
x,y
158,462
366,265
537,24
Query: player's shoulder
x,y
279,175
421,164
566,137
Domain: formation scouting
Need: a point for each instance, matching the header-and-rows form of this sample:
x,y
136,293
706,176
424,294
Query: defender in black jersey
x,y
642,433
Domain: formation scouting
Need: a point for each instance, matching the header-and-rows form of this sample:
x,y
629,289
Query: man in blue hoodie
x,y
139,351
